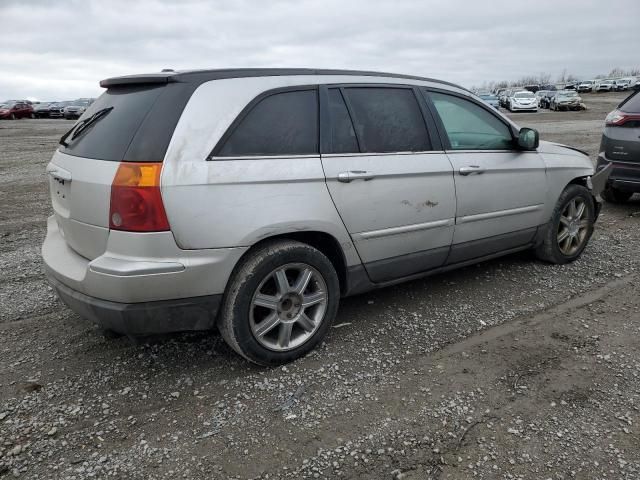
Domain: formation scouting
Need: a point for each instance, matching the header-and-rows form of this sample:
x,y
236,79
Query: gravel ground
x,y
512,369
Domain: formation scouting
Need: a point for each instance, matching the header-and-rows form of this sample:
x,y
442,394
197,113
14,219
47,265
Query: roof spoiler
x,y
149,78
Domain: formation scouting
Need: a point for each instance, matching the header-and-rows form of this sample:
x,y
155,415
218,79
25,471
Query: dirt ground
x,y
511,369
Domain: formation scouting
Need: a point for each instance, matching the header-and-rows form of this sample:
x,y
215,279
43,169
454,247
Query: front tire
x,y
280,301
613,195
570,228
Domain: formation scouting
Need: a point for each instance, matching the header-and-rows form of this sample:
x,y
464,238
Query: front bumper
x,y
624,175
524,107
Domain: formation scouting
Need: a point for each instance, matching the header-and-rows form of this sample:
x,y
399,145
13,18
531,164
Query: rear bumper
x,y
146,318
624,175
142,283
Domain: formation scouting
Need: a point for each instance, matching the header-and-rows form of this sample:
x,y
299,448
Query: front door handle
x,y
351,175
471,170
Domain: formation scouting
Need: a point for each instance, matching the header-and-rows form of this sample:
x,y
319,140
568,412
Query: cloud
x,y
61,49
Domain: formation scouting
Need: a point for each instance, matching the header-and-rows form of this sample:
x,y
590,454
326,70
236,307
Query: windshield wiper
x,y
80,127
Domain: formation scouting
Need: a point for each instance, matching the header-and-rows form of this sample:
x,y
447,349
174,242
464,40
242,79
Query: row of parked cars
x,y
518,99
71,109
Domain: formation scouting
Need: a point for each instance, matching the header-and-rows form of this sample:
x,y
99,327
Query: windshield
x,y
568,94
524,95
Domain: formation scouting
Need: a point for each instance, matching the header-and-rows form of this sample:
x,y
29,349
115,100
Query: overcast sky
x,y
60,49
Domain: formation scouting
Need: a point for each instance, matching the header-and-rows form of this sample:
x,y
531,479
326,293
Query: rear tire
x,y
570,228
263,315
613,195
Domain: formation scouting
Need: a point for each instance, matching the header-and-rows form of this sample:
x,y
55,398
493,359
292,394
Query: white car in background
x,y
523,100
606,86
586,86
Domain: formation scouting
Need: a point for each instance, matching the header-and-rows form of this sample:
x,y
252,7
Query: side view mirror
x,y
528,139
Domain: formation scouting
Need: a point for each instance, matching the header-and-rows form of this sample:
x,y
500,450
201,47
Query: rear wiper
x,y
80,127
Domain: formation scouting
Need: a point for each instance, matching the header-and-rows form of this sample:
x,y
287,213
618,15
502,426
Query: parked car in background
x,y
621,85
523,100
545,101
506,95
605,86
532,88
539,95
490,99
585,86
41,110
13,110
76,108
566,100
56,110
571,85
135,246
620,148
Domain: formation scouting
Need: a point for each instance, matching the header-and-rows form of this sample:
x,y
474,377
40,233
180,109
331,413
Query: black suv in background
x,y
620,146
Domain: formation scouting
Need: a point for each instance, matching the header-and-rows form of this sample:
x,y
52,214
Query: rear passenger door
x,y
388,177
501,190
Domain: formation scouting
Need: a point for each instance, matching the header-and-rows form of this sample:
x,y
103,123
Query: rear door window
x,y
110,136
284,123
343,136
469,126
387,119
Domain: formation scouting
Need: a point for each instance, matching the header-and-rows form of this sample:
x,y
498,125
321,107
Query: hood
x,y
559,149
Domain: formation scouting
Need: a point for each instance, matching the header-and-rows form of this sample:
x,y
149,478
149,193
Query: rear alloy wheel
x,y
570,228
279,302
614,195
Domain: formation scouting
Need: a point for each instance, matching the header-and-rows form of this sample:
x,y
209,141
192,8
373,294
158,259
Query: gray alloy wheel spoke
x,y
564,221
266,301
303,281
284,335
572,209
305,322
581,210
283,316
267,325
562,236
282,282
313,299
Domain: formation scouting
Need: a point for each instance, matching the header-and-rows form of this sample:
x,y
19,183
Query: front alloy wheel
x,y
573,227
570,227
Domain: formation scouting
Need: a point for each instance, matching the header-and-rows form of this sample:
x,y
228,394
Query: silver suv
x,y
254,199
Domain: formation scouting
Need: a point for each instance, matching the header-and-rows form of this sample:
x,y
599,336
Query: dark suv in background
x,y
620,147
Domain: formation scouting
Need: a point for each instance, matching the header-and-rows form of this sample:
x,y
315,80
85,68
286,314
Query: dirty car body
x,y
364,178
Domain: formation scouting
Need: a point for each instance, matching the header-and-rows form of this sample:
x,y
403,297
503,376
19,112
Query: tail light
x,y
136,202
618,117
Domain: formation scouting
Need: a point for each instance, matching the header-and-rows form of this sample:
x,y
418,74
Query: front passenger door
x,y
500,190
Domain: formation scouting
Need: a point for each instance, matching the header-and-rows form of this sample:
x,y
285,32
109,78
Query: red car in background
x,y
13,110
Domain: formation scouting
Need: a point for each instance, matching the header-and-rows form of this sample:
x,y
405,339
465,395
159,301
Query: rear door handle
x,y
351,175
471,170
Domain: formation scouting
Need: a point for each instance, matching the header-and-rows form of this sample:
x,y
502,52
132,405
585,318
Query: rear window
x,y
281,124
631,104
110,136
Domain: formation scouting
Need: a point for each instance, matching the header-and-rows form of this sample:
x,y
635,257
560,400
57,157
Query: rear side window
x,y
109,137
387,119
469,126
631,104
284,123
343,136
